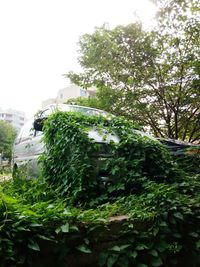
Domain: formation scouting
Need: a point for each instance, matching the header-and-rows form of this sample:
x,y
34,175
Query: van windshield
x,y
84,110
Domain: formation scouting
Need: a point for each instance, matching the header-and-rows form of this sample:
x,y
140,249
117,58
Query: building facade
x,y
14,117
71,91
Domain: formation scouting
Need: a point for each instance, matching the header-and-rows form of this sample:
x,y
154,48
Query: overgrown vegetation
x,y
74,163
7,137
66,213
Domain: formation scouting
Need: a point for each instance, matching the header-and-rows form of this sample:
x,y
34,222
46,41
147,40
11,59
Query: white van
x,y
29,145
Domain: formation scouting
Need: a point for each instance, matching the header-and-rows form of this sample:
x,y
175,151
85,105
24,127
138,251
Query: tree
x,y
150,77
103,99
7,136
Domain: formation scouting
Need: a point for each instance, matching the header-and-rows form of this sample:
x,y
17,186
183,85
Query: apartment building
x,y
71,91
14,117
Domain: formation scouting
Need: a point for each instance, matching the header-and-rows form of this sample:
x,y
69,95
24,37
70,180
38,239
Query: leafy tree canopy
x,y
150,77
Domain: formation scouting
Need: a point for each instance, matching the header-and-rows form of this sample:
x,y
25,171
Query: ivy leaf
x,y
134,254
156,262
111,260
153,252
115,248
34,246
124,247
83,248
114,170
193,234
103,258
44,237
163,224
35,224
141,247
178,215
65,228
67,212
198,244
23,229
50,206
74,228
162,246
58,230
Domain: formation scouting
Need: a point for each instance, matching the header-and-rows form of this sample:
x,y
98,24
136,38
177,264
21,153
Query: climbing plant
x,y
67,213
94,172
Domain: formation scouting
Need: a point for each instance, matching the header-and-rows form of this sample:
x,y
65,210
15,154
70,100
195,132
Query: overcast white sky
x,y
38,43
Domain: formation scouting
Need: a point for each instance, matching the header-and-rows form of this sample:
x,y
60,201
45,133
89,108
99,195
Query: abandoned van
x,y
29,145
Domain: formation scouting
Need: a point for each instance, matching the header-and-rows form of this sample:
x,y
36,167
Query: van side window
x,y
27,130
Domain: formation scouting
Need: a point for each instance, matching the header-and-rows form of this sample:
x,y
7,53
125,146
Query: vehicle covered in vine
x,y
65,141
29,143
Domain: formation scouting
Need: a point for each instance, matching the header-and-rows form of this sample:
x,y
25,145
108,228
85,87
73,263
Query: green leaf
x,y
153,252
112,260
163,224
141,247
35,224
23,229
58,230
74,228
115,248
67,212
193,234
83,248
156,262
44,237
34,246
133,254
179,216
198,244
103,258
65,228
50,206
123,247
162,246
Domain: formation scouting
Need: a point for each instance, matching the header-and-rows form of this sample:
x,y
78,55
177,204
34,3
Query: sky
x,y
39,43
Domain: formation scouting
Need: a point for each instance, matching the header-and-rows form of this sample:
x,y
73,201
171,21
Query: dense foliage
x,y
74,163
151,77
60,217
189,160
7,136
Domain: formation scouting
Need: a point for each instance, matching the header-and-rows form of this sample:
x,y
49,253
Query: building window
x,y
8,115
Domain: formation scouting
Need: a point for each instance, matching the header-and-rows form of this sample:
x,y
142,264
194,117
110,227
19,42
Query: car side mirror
x,y
38,124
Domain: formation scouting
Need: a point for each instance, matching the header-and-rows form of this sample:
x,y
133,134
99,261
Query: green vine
x,y
148,214
73,161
